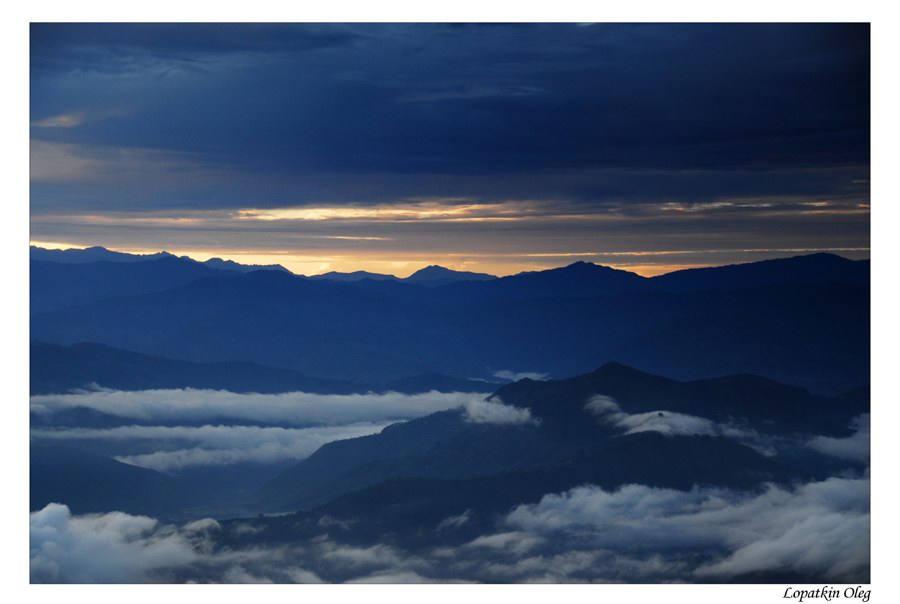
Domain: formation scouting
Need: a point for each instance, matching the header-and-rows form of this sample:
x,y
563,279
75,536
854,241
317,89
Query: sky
x,y
493,148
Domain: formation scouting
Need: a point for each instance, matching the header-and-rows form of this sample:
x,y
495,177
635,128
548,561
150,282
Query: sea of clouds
x,y
635,534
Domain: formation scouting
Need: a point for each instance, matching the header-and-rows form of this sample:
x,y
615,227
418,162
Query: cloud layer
x,y
184,446
818,531
607,410
495,411
106,548
293,426
856,447
820,528
293,408
666,422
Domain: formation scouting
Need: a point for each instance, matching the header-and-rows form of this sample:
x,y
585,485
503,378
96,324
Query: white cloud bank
x,y
214,445
304,422
667,422
821,528
856,447
608,411
296,408
121,548
515,376
495,411
103,548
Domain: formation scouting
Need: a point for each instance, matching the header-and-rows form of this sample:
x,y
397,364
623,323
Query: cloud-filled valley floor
x,y
633,534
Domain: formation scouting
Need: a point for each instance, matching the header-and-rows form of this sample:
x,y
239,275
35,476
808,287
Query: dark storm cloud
x,y
486,102
612,137
128,46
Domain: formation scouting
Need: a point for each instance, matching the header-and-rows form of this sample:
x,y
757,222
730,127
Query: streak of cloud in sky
x,y
499,148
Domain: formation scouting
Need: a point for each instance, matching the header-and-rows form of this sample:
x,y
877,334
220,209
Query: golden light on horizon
x,y
388,263
403,263
55,245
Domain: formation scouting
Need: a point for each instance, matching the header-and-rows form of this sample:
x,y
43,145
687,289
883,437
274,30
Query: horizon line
x,y
235,257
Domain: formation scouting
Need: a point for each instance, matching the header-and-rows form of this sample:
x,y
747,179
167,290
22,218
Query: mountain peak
x,y
432,269
354,276
94,253
439,275
221,264
614,368
582,266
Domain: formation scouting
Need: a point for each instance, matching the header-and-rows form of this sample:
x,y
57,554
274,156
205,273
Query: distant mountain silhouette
x,y
101,254
444,445
56,369
57,285
812,268
430,276
90,254
559,322
266,317
580,279
438,275
59,369
354,276
231,265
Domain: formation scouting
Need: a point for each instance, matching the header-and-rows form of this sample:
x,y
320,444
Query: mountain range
x,y
430,275
801,320
101,254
